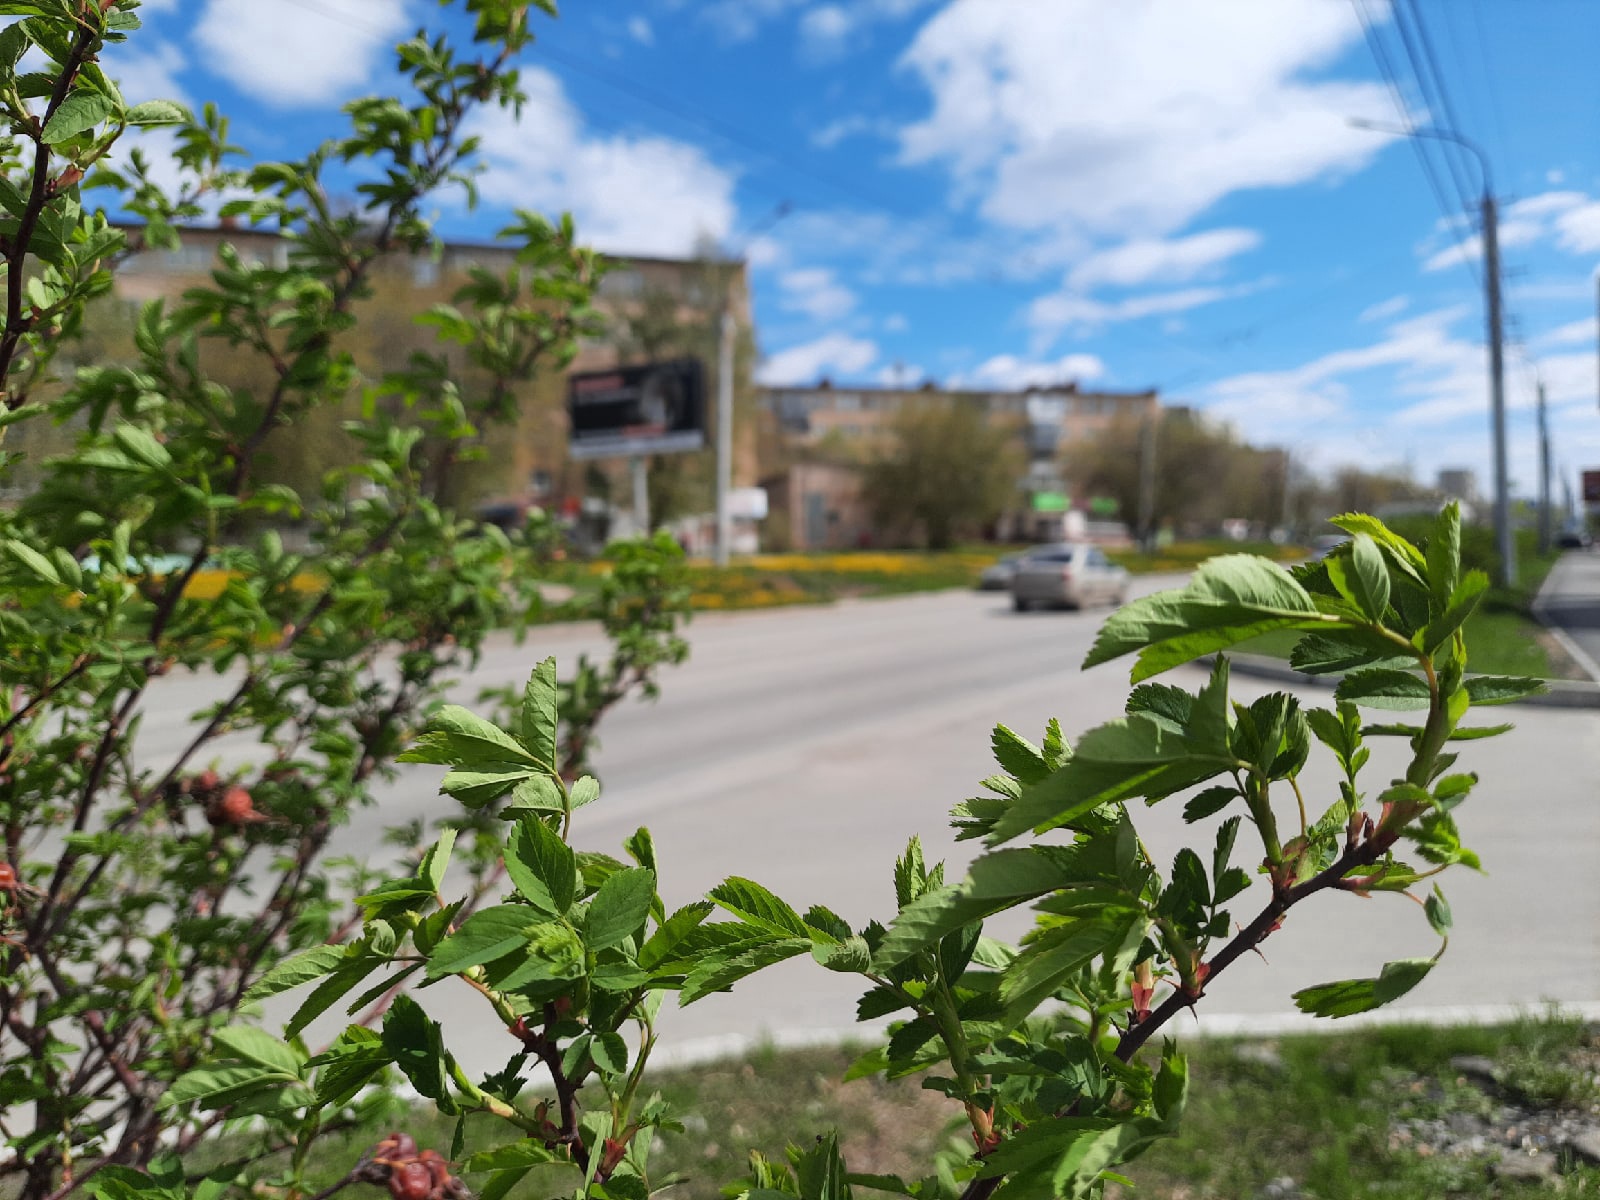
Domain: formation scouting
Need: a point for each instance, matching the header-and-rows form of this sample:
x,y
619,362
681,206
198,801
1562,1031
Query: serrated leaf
x,y
157,112
1461,604
458,737
719,972
413,1042
538,718
619,908
1351,996
1134,756
542,867
1060,952
483,937
437,860
659,946
83,109
1359,573
610,1052
1444,557
1229,600
1018,755
851,956
1345,650
260,1047
751,902
1211,800
292,972
1502,689
1379,687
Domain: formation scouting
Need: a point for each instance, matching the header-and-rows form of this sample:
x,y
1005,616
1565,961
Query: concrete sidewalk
x,y
1569,604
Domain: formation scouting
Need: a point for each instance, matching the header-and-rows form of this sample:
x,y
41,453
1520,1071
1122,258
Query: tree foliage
x,y
945,473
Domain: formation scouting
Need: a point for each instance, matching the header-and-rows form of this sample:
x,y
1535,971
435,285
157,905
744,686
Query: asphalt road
x,y
1570,598
801,747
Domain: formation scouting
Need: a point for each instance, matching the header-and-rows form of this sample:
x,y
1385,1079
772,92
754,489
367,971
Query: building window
x,y
846,402
424,270
624,284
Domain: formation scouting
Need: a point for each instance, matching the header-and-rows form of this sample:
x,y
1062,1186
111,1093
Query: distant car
x,y
1070,574
1574,537
996,577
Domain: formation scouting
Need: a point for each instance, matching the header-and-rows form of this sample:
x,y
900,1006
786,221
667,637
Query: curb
x,y
1562,693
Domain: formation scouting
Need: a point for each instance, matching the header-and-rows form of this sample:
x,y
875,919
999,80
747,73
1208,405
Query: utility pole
x,y
641,493
1544,474
1147,482
724,434
1504,541
1497,390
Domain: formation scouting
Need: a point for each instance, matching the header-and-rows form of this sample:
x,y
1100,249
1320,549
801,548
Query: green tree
x,y
945,474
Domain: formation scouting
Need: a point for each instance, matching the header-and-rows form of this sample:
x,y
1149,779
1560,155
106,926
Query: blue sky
x,y
1131,194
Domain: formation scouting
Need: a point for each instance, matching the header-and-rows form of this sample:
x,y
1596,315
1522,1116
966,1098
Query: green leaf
x,y
413,1042
157,112
1060,952
659,946
1345,650
83,109
1444,558
483,785
1135,756
619,908
585,790
1351,996
38,563
1400,552
996,881
292,972
216,1087
610,1052
1018,755
483,937
538,720
259,1047
539,793
1358,572
1438,910
1229,599
719,972
542,866
1460,605
1502,689
751,902
1212,800
437,860
851,956
1380,687
456,737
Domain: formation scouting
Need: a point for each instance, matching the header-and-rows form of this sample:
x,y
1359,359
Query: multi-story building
x,y
658,307
825,431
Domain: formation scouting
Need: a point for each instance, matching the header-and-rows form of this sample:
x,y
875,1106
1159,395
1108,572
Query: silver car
x,y
1074,574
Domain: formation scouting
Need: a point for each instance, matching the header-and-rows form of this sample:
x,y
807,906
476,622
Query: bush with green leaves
x,y
147,906
141,896
1045,1048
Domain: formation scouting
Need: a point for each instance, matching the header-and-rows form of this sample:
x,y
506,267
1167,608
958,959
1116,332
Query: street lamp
x,y
1491,282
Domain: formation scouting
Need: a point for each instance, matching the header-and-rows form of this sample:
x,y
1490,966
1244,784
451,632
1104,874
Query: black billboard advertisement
x,y
655,408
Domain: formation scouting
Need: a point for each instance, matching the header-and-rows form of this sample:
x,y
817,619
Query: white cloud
x,y
1135,116
741,20
1050,314
806,363
815,292
829,30
629,195
314,57
896,323
1385,309
1172,260
831,134
640,31
1010,373
151,72
1580,332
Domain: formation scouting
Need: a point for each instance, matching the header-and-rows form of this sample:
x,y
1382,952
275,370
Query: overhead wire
x,y
1418,48
1386,68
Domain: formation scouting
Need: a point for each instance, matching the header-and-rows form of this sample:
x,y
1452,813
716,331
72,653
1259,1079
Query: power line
x,y
1425,66
1386,68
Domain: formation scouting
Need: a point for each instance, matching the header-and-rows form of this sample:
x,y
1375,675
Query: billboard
x,y
655,408
1591,487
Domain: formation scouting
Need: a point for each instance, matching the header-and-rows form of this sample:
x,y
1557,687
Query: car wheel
x,y
1018,604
